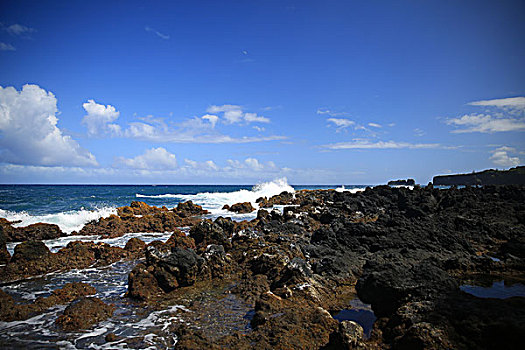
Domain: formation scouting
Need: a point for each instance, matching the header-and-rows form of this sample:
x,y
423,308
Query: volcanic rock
x,y
37,231
84,313
11,311
241,208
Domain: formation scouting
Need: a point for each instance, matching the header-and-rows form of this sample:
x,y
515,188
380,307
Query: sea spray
x,y
68,221
214,201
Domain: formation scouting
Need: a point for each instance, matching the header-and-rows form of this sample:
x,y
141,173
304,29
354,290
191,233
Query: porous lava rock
x,y
38,231
12,311
242,208
84,313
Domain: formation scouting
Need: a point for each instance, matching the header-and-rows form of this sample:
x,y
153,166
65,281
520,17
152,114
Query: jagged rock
x,y
84,313
135,245
140,217
179,239
166,269
216,263
241,208
4,253
208,232
38,231
11,311
142,284
34,258
348,336
187,209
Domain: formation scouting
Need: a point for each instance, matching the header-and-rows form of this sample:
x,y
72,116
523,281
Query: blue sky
x,y
320,92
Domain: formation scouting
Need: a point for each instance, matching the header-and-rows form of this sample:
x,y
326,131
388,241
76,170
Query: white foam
x,y
214,201
67,221
351,190
56,244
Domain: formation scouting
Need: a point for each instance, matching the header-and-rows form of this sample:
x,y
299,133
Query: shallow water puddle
x,y
359,312
498,290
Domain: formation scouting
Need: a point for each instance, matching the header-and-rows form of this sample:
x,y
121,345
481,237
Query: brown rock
x,y
84,313
4,254
37,231
242,208
187,209
11,311
142,284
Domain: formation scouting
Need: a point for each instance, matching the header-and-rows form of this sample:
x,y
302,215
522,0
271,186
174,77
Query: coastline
x,y
405,252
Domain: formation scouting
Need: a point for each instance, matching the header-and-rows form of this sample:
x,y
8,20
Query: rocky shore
x,y
277,282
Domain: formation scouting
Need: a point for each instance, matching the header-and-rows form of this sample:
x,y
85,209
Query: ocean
x,y
70,207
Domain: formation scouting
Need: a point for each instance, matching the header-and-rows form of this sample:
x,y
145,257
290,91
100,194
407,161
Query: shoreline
x,y
403,251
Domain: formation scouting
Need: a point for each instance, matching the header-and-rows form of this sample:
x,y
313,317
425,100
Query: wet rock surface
x,y
277,281
403,251
141,217
37,231
33,258
240,208
84,313
13,311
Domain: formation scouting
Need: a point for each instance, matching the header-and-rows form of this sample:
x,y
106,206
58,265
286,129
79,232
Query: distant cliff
x,y
513,176
407,182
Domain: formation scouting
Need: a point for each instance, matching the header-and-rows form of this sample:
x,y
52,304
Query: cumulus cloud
x,y
156,32
99,118
365,144
375,125
7,47
500,156
234,114
486,123
29,131
100,121
153,159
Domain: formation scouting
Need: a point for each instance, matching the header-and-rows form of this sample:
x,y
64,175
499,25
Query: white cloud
x,y
251,164
206,165
156,32
330,113
419,132
375,125
213,119
234,114
99,118
152,159
19,30
500,156
7,47
486,123
365,144
341,123
30,134
253,117
258,128
513,102
100,122
501,115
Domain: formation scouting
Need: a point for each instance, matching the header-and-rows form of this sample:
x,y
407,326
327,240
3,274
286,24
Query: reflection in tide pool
x,y
498,290
361,313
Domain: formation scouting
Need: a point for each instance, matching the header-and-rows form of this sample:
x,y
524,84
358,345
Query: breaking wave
x,y
68,221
